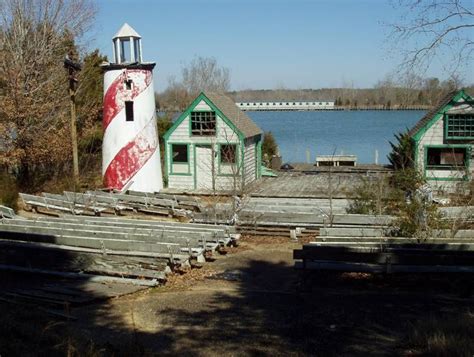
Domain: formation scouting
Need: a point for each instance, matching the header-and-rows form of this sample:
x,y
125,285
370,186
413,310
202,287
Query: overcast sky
x,y
265,43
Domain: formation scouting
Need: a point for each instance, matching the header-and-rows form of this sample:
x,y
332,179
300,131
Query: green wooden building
x,y
444,140
213,146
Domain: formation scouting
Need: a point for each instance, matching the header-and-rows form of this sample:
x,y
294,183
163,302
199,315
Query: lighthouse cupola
x,y
127,45
130,148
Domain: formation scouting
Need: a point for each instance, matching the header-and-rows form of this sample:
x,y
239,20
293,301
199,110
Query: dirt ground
x,y
252,302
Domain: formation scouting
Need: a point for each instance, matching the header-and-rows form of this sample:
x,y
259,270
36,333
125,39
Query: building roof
x,y
234,114
428,116
127,31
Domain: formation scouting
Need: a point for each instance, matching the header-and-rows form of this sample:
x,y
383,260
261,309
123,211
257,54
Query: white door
x,y
205,166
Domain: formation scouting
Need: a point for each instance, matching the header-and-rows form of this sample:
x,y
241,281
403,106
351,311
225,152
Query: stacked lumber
x,y
100,202
138,251
279,216
291,205
366,249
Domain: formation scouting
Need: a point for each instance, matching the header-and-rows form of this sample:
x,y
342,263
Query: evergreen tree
x,y
91,87
269,145
401,156
164,123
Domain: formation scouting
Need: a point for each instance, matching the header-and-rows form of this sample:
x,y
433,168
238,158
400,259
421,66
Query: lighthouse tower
x,y
130,149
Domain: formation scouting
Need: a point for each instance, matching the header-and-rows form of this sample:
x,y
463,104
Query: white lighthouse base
x,y
148,178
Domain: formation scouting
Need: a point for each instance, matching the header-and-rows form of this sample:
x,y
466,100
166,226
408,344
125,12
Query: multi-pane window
x,y
451,158
228,154
460,126
203,123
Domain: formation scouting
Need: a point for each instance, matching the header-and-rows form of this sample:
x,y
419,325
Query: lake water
x,y
327,132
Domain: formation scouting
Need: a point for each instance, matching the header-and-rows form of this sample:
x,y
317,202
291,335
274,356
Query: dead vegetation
x,y
442,336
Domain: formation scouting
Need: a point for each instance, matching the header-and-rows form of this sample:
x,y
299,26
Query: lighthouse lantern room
x,y
130,149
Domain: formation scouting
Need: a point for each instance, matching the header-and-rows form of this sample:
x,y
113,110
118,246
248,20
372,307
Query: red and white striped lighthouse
x,y
130,149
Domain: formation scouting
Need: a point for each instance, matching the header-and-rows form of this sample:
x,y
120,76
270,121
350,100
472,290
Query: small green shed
x,y
213,146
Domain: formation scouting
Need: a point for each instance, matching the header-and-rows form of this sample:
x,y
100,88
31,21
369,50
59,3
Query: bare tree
x,y
175,98
201,74
434,29
35,35
333,188
204,74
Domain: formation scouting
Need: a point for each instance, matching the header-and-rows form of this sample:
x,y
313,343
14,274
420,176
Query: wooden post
x,y
75,157
72,68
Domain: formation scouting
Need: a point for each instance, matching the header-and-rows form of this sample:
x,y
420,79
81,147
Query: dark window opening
x,y
326,163
228,154
203,123
180,153
129,111
460,126
128,84
451,158
346,163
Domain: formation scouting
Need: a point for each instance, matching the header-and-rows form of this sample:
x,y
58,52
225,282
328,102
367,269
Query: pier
x,y
287,105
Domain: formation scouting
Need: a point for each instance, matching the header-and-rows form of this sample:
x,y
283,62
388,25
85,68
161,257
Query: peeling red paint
x,y
116,95
130,159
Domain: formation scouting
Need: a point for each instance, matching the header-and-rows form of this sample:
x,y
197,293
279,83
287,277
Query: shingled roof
x,y
234,114
428,116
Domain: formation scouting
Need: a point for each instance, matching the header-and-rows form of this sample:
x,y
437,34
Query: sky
x,y
266,44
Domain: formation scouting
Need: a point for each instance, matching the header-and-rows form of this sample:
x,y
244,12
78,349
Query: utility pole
x,y
72,68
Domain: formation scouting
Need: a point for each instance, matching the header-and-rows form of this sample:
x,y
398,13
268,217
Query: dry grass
x,y
443,336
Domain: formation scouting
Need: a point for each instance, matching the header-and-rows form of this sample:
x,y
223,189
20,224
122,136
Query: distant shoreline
x,y
420,108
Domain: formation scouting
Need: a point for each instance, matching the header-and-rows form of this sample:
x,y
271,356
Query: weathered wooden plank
x,y
6,212
148,234
60,237
183,257
374,268
88,277
383,232
151,223
60,260
400,258
391,240
454,246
